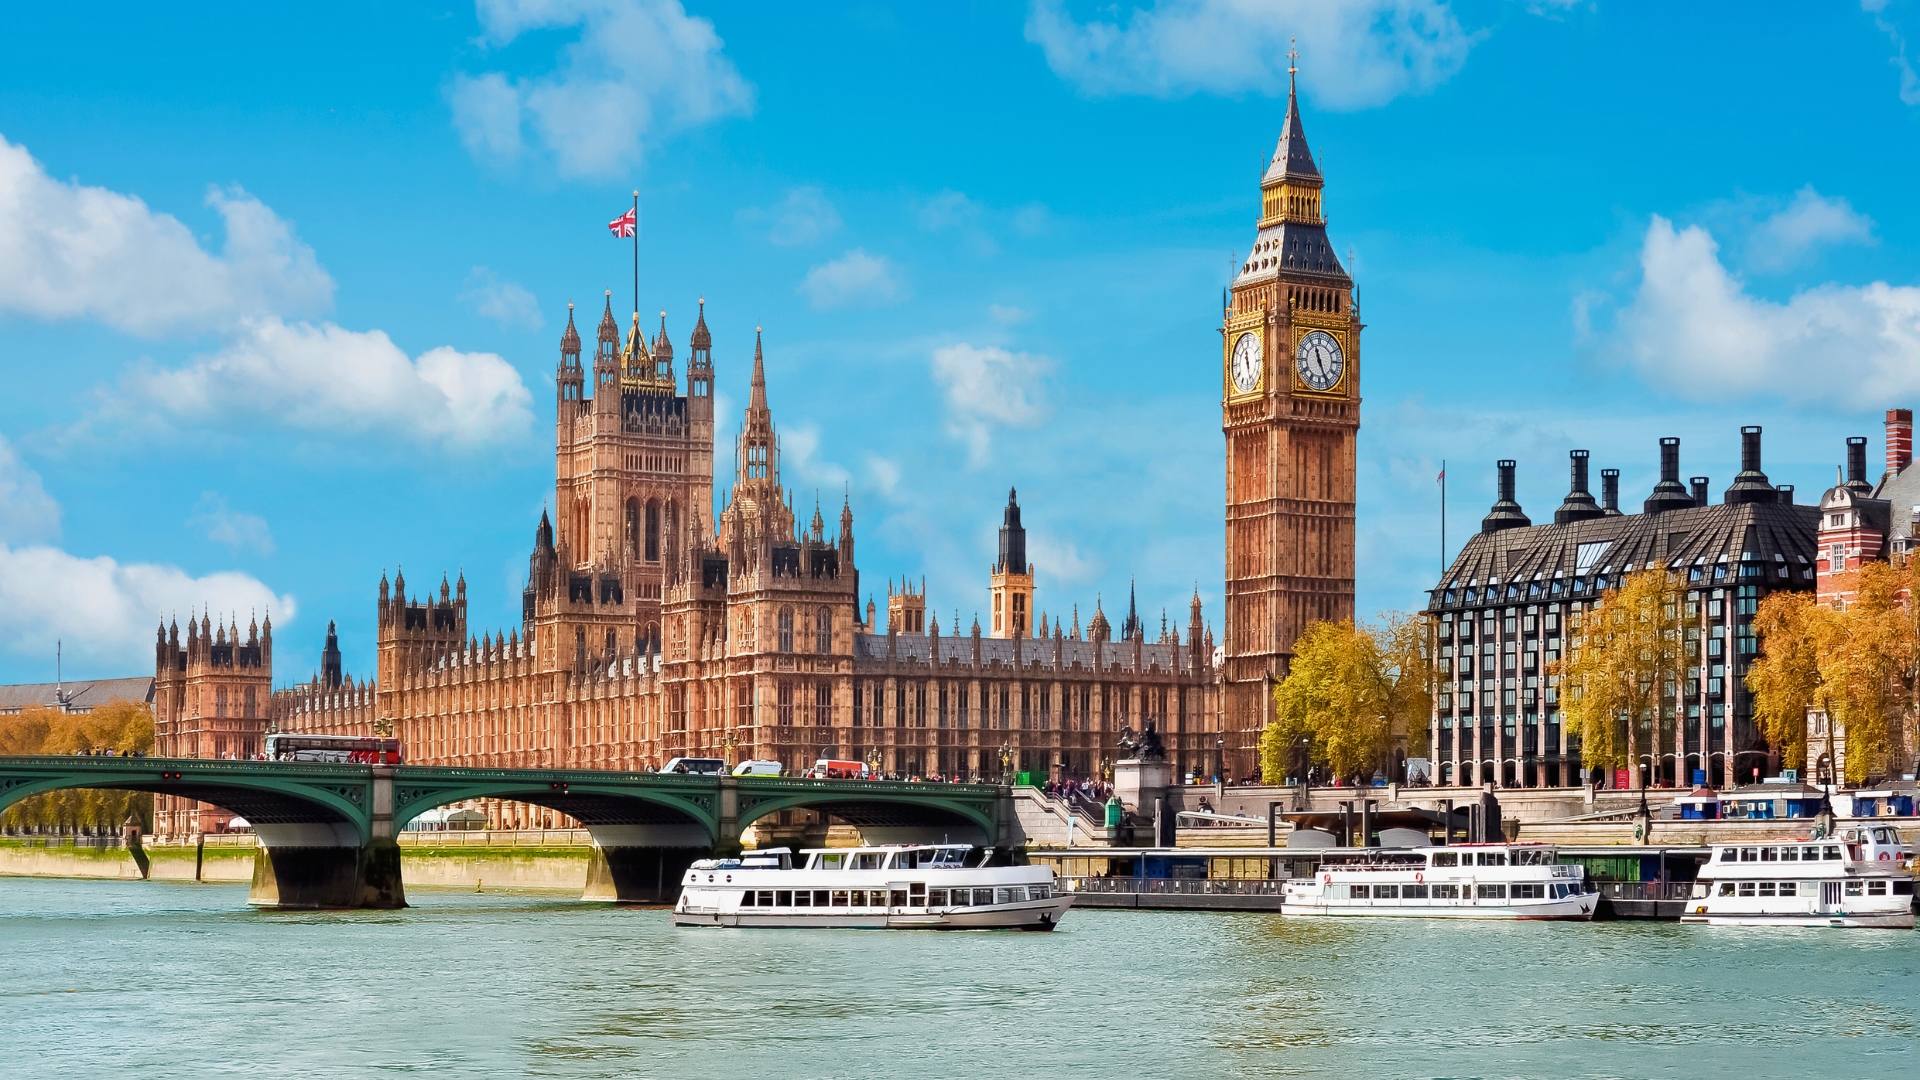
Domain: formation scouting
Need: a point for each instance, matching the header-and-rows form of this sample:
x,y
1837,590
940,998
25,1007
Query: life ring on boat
x,y
1886,856
1418,876
1326,879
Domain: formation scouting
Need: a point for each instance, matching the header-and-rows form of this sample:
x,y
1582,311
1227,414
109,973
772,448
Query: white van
x,y
759,768
696,766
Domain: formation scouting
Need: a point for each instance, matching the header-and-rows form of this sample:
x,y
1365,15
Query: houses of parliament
x,y
652,627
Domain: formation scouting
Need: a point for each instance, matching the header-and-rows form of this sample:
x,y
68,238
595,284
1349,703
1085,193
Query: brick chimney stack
x,y
1899,440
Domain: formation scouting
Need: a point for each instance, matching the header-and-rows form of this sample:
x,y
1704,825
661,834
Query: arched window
x,y
823,631
653,531
633,528
786,629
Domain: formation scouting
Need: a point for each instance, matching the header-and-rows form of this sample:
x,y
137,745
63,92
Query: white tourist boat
x,y
1859,877
1462,881
894,886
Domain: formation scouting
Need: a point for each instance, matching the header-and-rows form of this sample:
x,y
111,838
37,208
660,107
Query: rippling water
x,y
172,980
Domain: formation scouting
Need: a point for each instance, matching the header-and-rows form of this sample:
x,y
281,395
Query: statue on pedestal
x,y
1145,746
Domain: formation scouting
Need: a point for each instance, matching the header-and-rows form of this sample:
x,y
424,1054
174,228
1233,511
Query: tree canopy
x,y
1350,693
124,727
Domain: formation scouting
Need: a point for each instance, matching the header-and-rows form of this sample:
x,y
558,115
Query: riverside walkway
x,y
327,832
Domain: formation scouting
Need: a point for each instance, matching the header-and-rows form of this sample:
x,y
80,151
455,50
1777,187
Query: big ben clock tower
x,y
1290,408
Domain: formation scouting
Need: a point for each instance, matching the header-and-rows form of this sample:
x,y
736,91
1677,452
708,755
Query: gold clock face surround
x,y
1248,362
1319,360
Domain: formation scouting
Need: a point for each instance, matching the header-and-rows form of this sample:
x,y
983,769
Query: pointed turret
x,y
1292,161
1131,628
757,398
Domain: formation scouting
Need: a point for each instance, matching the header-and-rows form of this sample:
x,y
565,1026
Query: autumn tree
x,y
125,727
1620,677
1351,693
1857,661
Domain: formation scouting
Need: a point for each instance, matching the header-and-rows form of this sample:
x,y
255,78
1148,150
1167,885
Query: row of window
x,y
1524,890
1006,706
1789,853
1811,888
917,895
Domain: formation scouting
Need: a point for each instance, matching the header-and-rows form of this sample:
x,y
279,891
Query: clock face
x,y
1246,362
1319,361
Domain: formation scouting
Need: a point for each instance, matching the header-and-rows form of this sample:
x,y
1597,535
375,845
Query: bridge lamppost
x,y
1006,764
729,750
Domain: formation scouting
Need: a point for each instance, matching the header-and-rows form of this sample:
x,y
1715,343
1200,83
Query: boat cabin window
x,y
869,860
1768,854
1876,888
1789,854
1493,858
1729,854
1831,851
1413,892
1386,892
1446,858
982,897
830,860
1536,857
1446,892
936,898
902,860
1853,888
1748,854
1885,835
1492,892
1726,888
1902,888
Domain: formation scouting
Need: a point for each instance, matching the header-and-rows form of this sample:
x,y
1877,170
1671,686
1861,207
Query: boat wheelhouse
x,y
1860,877
1460,881
892,886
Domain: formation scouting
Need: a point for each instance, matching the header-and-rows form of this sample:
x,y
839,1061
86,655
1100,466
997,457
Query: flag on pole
x,y
623,226
1442,478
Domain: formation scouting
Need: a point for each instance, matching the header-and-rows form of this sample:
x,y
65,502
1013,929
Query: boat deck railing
x,y
1646,890
1176,886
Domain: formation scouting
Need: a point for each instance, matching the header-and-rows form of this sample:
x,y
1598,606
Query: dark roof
x,y
959,649
1782,535
1300,248
1291,158
1901,490
81,695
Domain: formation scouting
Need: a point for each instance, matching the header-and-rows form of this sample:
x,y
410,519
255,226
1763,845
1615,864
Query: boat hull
x,y
1890,920
1577,908
1032,915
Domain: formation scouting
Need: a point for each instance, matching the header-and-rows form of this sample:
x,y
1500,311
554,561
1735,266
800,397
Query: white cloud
x,y
1008,313
988,387
1694,329
1909,80
804,216
1060,561
855,279
222,524
1354,53
800,460
1810,221
949,210
27,512
72,251
640,70
105,611
504,302
326,378
884,474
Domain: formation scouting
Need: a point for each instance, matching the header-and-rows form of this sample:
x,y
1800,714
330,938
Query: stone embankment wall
x,y
553,860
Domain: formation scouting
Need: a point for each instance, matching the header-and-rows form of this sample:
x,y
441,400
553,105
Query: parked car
x,y
697,766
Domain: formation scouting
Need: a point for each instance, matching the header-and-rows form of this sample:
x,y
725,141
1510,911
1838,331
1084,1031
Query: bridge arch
x,y
882,812
686,813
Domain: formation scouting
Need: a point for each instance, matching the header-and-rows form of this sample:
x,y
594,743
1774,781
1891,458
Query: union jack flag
x,y
623,225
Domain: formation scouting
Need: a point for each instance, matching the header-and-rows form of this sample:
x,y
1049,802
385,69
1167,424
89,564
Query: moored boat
x,y
893,886
1860,877
1464,881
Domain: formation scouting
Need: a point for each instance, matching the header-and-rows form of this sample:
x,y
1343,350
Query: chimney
x,y
1899,440
1506,514
1699,490
1579,504
1610,491
1751,485
1857,466
1668,494
1786,494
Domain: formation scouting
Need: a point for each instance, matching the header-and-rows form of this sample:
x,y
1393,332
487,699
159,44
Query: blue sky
x,y
281,290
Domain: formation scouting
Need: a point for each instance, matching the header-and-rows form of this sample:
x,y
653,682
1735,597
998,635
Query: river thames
x,y
171,980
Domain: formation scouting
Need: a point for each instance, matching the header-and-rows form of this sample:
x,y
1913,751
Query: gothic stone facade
x,y
211,699
1290,369
648,634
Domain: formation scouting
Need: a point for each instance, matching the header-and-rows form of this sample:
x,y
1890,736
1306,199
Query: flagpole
x,y
1443,519
636,253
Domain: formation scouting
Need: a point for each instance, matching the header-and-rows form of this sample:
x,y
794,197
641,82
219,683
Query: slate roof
x,y
959,650
1780,535
1901,490
82,695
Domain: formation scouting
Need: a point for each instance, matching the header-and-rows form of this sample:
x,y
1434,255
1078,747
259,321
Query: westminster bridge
x,y
327,832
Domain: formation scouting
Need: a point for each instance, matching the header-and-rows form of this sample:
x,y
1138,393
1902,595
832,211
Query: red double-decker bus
x,y
340,749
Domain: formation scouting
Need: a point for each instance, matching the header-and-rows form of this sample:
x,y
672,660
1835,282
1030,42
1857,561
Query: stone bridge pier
x,y
340,864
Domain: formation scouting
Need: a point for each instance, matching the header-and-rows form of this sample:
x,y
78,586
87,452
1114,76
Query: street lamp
x,y
1006,763
1219,769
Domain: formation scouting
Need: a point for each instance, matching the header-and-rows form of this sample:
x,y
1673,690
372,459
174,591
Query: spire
x,y
758,401
662,348
1291,158
702,337
570,338
1131,628
609,328
1013,538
